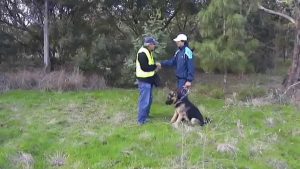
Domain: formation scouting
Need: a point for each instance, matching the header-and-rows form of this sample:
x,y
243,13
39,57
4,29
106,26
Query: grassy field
x,y
98,130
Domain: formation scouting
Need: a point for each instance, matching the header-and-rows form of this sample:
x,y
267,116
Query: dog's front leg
x,y
179,119
174,117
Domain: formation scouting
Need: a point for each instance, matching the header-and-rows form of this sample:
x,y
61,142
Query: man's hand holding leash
x,y
187,85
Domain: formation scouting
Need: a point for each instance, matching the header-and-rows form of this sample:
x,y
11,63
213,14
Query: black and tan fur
x,y
185,110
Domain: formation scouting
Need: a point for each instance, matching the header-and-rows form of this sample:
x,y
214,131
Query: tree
x,y
22,21
226,46
47,63
294,6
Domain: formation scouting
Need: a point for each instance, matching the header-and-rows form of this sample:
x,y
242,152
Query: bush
x,y
4,81
217,93
62,81
23,80
108,56
212,91
127,77
251,92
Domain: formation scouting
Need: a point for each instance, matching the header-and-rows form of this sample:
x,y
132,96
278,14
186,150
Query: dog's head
x,y
175,95
172,97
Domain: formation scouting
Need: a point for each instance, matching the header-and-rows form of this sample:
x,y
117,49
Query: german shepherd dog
x,y
185,110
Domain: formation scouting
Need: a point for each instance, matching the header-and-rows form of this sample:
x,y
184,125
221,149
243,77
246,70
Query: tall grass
x,y
56,80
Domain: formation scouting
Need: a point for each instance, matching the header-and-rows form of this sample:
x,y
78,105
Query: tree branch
x,y
173,15
277,13
170,19
291,86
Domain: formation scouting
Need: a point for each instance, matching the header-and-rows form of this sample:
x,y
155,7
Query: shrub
x,y
212,91
251,92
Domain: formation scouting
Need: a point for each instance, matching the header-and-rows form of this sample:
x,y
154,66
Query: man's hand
x,y
158,67
187,85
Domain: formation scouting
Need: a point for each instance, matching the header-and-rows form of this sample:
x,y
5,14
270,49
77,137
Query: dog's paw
x,y
175,125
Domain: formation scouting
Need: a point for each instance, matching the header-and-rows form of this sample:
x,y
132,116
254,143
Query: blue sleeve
x,y
169,63
190,65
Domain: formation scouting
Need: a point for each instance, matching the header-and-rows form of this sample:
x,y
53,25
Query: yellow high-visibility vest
x,y
139,71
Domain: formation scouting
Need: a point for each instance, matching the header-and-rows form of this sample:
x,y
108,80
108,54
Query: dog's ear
x,y
178,91
175,91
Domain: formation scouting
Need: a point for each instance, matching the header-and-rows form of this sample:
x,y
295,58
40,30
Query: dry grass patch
x,y
257,148
240,128
228,147
277,164
23,160
57,159
119,118
296,132
56,80
270,122
272,138
146,136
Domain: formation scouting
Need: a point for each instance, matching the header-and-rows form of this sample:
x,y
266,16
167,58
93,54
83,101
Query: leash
x,y
186,93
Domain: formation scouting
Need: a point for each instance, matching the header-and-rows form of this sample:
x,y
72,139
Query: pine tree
x,y
226,45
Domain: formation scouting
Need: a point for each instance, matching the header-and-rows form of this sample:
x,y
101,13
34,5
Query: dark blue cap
x,y
150,40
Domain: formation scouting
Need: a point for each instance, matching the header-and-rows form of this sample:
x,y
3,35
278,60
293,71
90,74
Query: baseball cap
x,y
180,37
150,40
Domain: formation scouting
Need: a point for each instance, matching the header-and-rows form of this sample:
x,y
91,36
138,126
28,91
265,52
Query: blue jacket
x,y
184,62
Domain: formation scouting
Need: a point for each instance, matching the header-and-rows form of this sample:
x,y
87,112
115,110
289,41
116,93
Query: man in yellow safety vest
x,y
146,74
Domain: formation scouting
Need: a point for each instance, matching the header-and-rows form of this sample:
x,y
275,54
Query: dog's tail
x,y
207,120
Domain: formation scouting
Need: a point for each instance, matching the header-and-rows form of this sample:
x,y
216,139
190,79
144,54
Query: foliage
x,y
6,46
107,56
211,91
153,28
226,45
228,36
251,92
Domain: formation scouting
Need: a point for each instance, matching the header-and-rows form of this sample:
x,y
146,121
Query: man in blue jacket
x,y
183,61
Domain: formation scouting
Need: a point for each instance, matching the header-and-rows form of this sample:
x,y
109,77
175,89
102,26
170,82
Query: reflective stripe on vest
x,y
139,71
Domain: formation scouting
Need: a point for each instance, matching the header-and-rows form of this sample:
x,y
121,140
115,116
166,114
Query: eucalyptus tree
x,y
290,10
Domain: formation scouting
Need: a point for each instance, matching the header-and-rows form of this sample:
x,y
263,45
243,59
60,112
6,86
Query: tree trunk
x,y
47,63
285,54
225,81
294,70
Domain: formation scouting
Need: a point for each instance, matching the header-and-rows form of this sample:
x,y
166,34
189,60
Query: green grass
x,y
98,130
